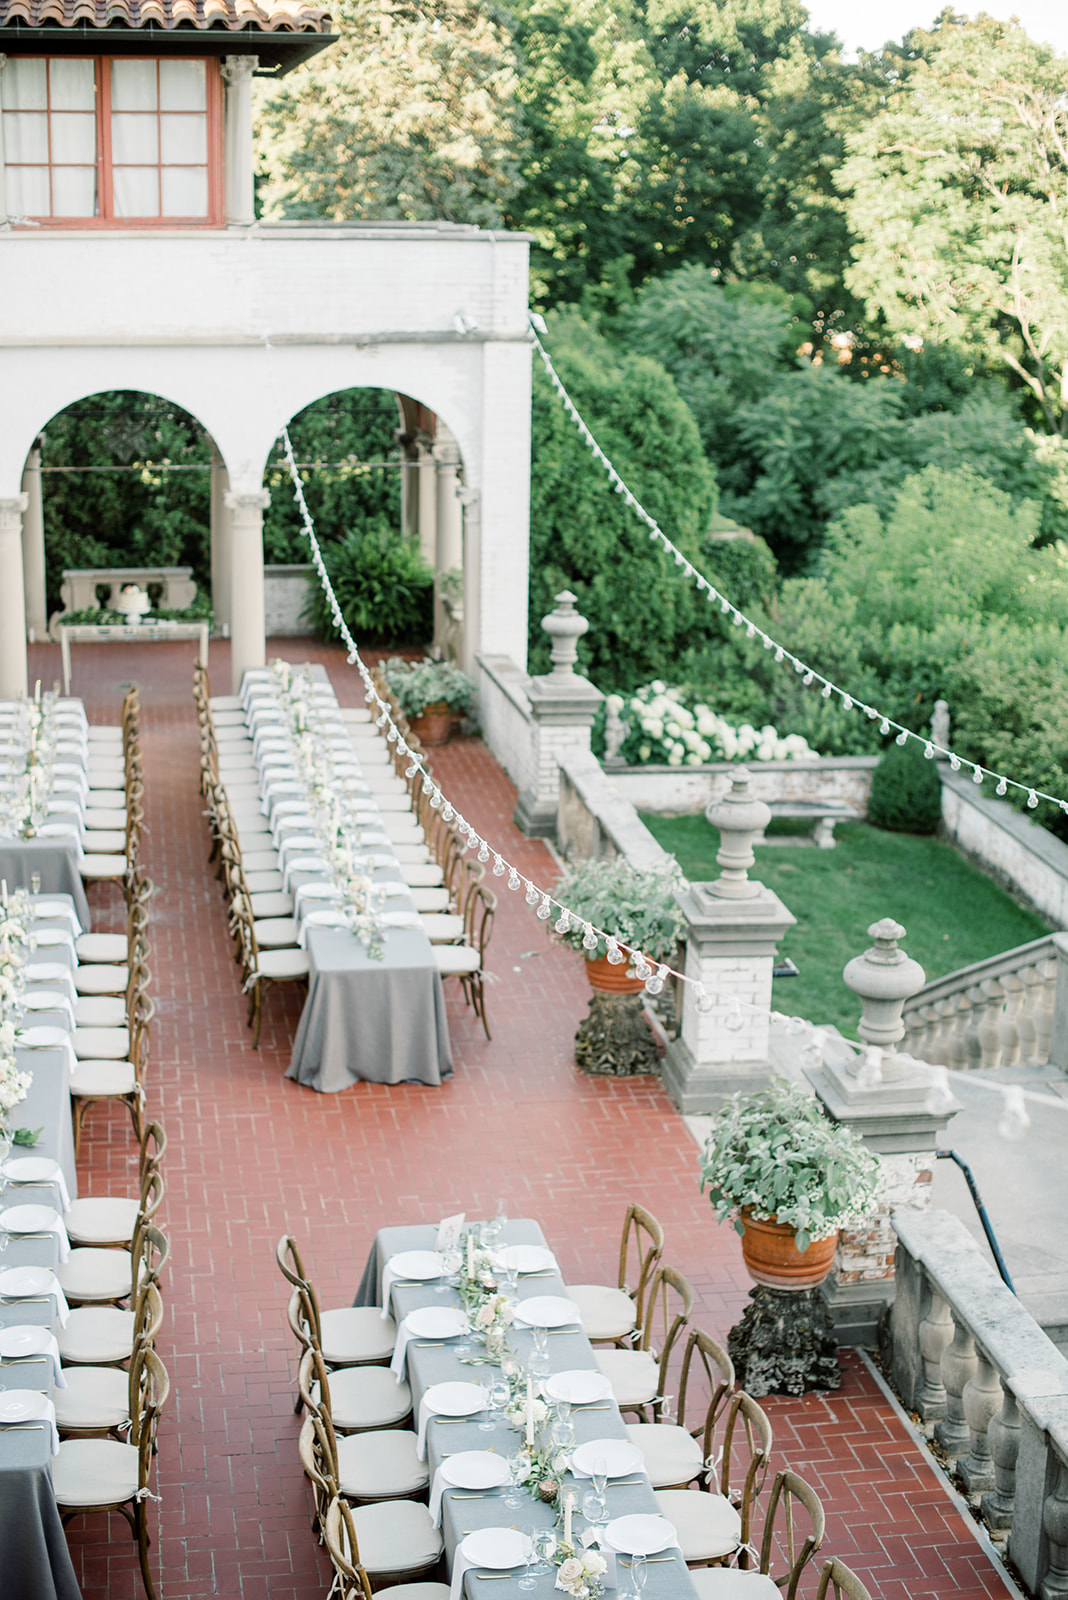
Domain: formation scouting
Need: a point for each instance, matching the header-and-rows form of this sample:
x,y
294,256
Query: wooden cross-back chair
x,y
714,1523
394,1549
467,961
839,1582
676,1455
612,1313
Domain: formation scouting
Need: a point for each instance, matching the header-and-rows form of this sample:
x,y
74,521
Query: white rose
x,y
594,1564
570,1570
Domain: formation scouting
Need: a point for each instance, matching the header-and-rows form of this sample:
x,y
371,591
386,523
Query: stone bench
x,y
823,813
177,590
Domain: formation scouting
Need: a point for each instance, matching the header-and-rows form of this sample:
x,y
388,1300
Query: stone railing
x,y
592,820
1008,844
997,1013
844,780
964,1354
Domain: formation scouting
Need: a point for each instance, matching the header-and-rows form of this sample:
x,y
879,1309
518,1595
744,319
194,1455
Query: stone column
x,y
1058,1046
562,708
248,645
13,673
733,928
472,591
238,187
425,474
3,186
33,547
221,543
449,554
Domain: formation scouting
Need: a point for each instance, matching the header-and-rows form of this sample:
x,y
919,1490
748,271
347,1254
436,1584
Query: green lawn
x,y
952,914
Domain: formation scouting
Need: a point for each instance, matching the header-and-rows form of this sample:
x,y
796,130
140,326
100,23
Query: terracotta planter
x,y
772,1257
612,980
433,725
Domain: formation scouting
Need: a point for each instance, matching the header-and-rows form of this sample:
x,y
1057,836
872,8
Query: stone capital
x,y
11,509
238,69
246,505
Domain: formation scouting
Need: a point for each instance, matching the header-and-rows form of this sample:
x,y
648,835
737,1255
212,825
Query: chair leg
x,y
257,994
78,1108
143,1543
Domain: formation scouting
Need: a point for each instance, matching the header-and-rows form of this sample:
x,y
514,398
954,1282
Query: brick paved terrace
x,y
252,1156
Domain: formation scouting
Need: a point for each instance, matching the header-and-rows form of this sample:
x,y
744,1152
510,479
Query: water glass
x,y
530,1555
545,1545
516,1464
35,882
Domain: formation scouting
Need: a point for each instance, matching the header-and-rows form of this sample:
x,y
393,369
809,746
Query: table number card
x,y
449,1230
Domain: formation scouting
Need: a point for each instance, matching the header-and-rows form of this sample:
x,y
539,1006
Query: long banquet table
x,y
35,1561
431,1362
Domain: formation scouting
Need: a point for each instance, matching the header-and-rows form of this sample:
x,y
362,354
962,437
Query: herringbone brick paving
x,y
252,1156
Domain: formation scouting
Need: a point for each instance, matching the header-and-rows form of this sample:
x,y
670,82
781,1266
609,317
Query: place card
x,y
449,1230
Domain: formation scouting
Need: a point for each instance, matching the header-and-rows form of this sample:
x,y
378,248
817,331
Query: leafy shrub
x,y
674,727
638,908
418,684
906,794
383,585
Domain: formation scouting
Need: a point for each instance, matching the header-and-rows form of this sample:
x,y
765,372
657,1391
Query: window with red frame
x,y
112,139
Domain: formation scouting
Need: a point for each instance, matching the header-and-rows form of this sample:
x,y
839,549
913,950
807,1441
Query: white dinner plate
x,y
399,919
416,1264
455,1399
20,1405
31,1169
52,936
436,1322
43,1038
29,1219
620,1457
580,1387
24,1341
475,1469
44,910
526,1258
44,1000
46,972
18,1281
499,1548
641,1535
547,1311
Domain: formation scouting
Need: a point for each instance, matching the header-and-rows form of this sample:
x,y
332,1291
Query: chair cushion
x,y
260,861
91,866
264,882
396,1536
279,904
96,1334
357,1333
275,932
419,1591
95,1397
292,963
367,1397
226,702
104,1219
97,817
431,899
633,1375
417,854
606,1313
106,840
454,960
96,1044
103,1078
92,1274
101,979
94,1472
107,787
707,1524
100,1011
729,1583
402,829
672,1455
442,926
380,1464
104,733
394,802
102,947
422,874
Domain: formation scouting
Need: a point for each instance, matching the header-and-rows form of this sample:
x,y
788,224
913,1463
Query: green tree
x,y
957,192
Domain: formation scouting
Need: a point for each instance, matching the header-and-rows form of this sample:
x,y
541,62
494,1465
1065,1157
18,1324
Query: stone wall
x,y
285,591
504,714
845,779
1021,854
593,820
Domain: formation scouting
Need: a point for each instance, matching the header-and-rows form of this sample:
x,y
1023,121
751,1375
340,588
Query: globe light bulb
x,y
544,911
589,938
531,895
513,879
498,867
562,923
615,954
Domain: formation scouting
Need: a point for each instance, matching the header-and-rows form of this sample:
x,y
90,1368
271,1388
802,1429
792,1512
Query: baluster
x,y
941,1048
929,1014
1004,1437
912,1042
958,1011
1047,997
989,1036
935,1332
1013,986
959,1364
982,1400
1055,1522
1025,1021
971,1039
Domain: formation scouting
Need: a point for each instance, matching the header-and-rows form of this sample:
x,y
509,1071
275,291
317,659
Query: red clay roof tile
x,y
270,16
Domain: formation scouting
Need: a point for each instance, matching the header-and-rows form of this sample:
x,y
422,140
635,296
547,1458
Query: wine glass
x,y
639,1571
516,1464
35,883
539,1361
451,1262
497,1397
594,1503
545,1545
530,1556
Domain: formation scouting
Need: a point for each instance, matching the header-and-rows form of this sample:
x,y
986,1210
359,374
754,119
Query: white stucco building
x,y
130,259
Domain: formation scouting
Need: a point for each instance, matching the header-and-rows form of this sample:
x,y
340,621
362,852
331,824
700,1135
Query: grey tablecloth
x,y
668,1579
57,862
379,1021
34,1559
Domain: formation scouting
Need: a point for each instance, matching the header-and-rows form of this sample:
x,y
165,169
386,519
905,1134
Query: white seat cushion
x,y
226,702
101,980
398,802
228,716
279,904
419,1591
357,1333
92,1274
396,1536
672,1455
264,882
421,874
382,1463
284,963
101,1044
260,861
368,1397
107,787
273,933
92,866
442,926
96,1334
100,1011
633,1375
94,1472
606,1313
455,959
104,1219
729,1583
102,947
93,1078
95,1397
431,899
402,829
104,733
105,840
707,1524
104,817
417,854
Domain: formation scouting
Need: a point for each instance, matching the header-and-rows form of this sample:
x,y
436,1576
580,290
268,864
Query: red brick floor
x,y
252,1156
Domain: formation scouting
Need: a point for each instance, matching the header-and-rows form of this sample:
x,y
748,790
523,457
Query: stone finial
x,y
940,724
740,819
565,628
884,977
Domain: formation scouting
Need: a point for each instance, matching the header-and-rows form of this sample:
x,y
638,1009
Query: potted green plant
x,y
430,694
790,1178
636,908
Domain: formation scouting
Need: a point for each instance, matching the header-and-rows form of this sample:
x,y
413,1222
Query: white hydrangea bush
x,y
671,727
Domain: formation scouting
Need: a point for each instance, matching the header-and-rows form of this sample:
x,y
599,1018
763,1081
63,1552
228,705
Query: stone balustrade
x,y
996,1013
964,1354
